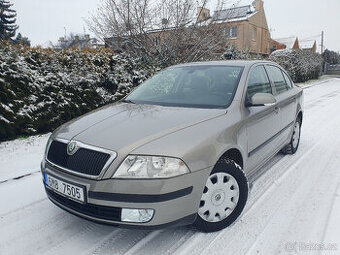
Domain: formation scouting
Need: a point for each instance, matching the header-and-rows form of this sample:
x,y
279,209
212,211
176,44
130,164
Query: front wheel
x,y
224,197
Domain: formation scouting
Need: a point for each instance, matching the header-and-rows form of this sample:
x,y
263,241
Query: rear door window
x,y
277,78
258,82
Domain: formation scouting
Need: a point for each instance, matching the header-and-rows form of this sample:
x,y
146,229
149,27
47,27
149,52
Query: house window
x,y
253,34
231,32
156,41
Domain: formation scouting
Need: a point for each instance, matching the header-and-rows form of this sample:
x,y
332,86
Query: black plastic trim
x,y
139,198
91,210
187,220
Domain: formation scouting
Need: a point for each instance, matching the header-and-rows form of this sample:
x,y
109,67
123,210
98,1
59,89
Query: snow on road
x,y
21,157
294,205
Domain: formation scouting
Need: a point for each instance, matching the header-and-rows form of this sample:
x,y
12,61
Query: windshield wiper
x,y
128,101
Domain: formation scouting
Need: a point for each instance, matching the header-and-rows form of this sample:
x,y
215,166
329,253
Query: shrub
x,y
302,65
231,52
40,88
331,57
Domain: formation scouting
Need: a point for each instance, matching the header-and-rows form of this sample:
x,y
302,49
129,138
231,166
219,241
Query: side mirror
x,y
262,99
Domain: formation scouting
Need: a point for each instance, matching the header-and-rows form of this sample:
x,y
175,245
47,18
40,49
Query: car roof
x,y
243,63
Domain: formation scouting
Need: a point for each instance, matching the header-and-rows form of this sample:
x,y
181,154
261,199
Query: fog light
x,y
137,215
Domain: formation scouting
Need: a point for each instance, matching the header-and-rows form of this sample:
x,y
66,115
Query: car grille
x,y
84,161
97,211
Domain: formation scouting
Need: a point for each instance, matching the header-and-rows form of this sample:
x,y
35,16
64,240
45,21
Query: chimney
x,y
258,5
76,38
87,37
62,39
203,14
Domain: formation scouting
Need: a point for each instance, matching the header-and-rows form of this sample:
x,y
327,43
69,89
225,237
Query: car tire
x,y
224,197
293,145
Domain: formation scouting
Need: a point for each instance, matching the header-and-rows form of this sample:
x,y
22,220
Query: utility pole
x,y
322,41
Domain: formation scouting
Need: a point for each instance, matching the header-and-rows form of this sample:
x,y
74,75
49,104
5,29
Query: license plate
x,y
67,189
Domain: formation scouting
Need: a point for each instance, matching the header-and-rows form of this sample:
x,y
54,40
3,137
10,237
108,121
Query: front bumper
x,y
175,201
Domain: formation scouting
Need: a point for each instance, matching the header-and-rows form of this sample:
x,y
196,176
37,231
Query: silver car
x,y
181,149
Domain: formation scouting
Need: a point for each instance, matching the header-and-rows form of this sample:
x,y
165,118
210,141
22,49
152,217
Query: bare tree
x,y
174,31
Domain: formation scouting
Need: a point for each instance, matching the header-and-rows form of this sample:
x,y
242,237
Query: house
x,y
309,45
291,42
275,45
245,27
78,42
294,43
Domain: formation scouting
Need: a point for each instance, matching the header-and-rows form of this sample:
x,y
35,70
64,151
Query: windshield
x,y
190,86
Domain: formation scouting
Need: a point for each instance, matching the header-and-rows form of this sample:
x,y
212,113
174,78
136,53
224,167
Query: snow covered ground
x,y
294,206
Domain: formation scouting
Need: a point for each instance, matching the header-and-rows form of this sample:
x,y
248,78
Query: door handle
x,y
277,109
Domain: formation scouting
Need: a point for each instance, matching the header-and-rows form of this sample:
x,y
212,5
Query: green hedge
x,y
40,88
302,65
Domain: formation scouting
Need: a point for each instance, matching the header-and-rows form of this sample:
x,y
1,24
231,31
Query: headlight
x,y
150,167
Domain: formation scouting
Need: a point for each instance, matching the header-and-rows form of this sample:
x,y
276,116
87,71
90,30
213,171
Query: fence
x,y
333,69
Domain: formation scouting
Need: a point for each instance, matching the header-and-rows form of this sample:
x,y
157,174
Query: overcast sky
x,y
46,20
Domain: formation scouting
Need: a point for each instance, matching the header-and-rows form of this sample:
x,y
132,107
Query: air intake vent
x,y
98,211
83,161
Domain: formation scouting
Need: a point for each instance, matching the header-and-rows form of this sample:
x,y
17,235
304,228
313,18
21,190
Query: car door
x,y
286,100
263,122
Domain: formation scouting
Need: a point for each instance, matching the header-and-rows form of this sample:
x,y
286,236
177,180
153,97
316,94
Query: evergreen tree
x,y
7,20
22,40
331,57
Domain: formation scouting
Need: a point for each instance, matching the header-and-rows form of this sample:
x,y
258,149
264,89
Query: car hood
x,y
128,126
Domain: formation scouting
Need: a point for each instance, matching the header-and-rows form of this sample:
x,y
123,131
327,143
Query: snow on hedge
x,y
40,88
302,65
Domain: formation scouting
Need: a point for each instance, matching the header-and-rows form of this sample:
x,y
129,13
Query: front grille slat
x,y
98,211
84,161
